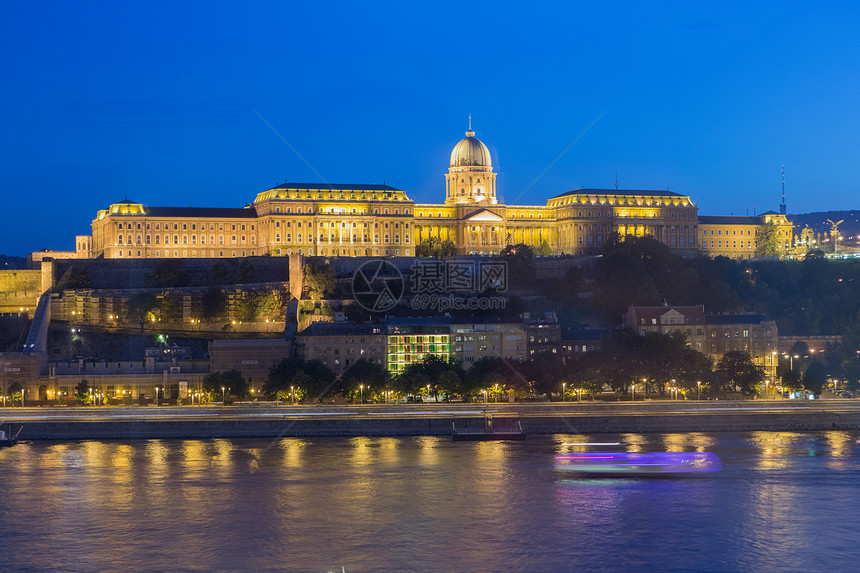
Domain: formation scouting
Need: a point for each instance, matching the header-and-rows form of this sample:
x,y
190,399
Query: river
x,y
782,502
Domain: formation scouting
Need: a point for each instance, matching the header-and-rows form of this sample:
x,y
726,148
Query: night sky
x,y
209,103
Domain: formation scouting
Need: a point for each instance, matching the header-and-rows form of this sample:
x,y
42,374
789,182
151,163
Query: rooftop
x,y
728,220
336,187
621,192
341,328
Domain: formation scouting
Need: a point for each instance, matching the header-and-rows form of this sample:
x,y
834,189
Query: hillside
x,y
818,222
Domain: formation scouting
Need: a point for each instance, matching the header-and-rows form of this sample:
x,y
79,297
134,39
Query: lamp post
x,y
698,389
791,361
632,391
223,395
292,395
496,393
361,392
563,385
156,395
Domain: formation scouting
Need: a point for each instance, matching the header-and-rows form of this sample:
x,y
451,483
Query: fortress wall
x,y
21,281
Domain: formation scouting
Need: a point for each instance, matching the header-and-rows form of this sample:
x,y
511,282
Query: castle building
x,y
735,237
380,220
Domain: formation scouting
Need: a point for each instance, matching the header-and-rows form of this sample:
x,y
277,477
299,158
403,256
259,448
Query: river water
x,y
782,502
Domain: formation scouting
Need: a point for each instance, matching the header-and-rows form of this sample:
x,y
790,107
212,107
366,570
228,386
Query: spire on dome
x,y
470,133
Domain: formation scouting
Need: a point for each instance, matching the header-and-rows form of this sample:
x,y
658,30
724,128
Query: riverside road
x,y
261,419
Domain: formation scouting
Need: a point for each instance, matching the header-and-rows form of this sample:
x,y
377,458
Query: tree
x,y
799,349
171,307
520,264
815,378
546,371
272,305
428,372
140,307
766,240
435,247
319,278
82,392
248,305
736,369
543,250
233,383
489,371
314,378
16,393
791,380
213,303
371,375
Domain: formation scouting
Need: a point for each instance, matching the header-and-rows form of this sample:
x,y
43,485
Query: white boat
x,y
619,464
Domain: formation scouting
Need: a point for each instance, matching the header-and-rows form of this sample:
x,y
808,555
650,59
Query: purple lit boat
x,y
636,464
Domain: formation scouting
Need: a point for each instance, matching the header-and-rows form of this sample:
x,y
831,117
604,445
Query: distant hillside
x,y
12,263
818,222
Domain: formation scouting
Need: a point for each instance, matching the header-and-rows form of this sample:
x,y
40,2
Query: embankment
x,y
272,422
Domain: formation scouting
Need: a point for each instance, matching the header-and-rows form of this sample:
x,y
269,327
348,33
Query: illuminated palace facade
x,y
379,220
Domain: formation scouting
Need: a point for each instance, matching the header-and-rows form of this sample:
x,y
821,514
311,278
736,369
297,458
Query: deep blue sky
x,y
163,103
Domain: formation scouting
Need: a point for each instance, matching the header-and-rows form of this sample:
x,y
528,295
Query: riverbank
x,y
267,421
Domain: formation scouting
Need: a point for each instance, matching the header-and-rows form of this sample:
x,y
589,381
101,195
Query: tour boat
x,y
638,464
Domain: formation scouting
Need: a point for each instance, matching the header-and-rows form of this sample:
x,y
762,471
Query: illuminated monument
x,y
379,220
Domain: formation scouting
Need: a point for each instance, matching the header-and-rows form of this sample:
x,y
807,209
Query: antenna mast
x,y
782,205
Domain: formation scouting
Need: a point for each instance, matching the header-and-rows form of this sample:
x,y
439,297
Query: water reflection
x,y
435,505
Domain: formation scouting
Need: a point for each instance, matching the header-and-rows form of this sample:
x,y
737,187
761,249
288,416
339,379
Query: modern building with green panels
x,y
414,339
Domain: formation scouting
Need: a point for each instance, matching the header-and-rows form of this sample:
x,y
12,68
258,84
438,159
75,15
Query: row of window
x,y
734,244
288,238
202,253
337,210
184,226
720,232
194,239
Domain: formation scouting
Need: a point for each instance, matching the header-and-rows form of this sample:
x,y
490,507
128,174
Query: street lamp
x,y
361,392
496,393
292,395
791,361
632,391
156,395
563,385
223,395
698,389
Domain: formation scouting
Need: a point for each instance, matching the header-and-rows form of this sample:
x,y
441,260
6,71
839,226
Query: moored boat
x,y
488,429
7,439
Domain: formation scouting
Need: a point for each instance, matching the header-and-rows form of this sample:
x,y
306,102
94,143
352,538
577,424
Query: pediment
x,y
484,215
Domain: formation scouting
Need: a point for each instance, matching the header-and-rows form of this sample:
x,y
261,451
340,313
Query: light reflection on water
x,y
784,501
